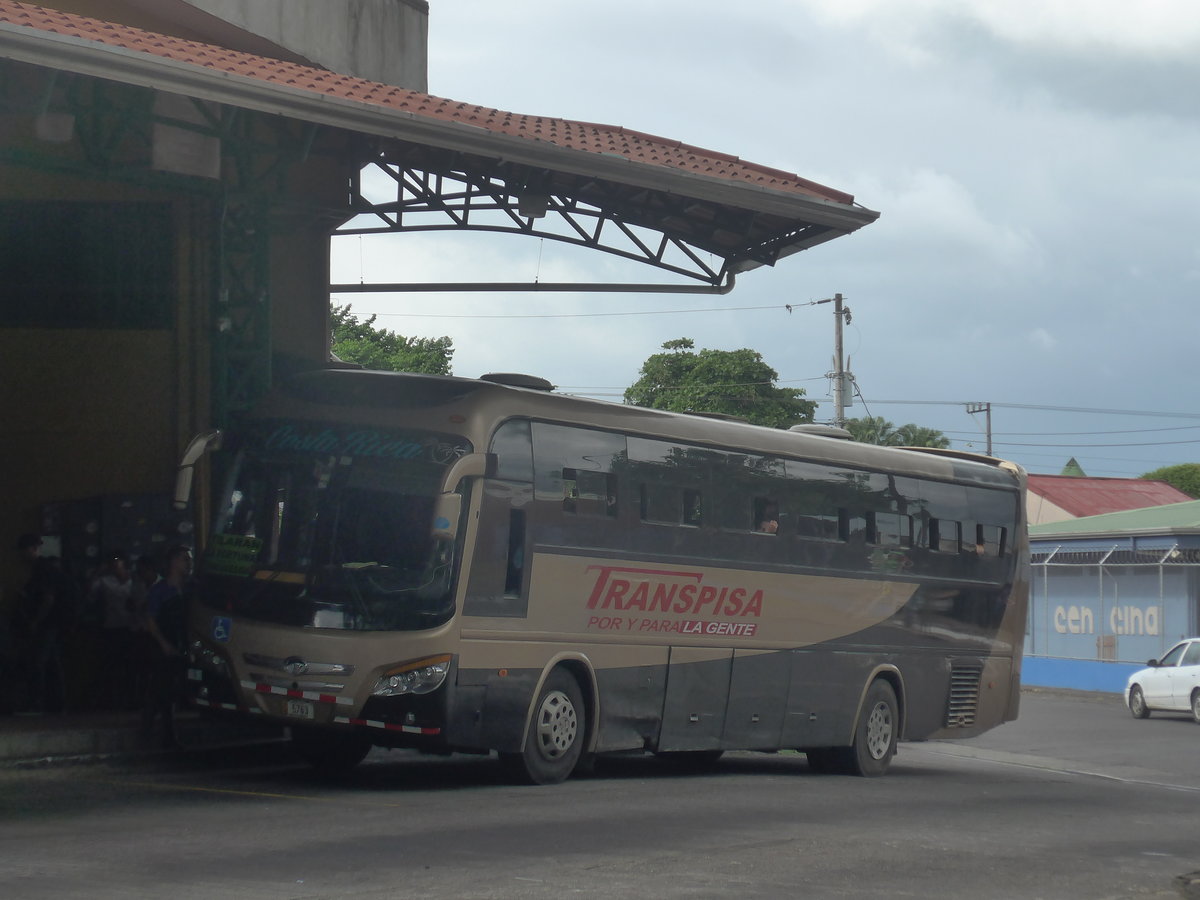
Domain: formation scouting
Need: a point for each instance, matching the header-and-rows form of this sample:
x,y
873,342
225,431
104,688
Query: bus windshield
x,y
307,533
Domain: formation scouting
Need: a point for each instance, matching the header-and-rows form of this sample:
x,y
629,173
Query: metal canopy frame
x,y
430,191
440,175
665,216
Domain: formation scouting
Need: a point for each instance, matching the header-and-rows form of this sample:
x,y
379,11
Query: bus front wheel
x,y
555,735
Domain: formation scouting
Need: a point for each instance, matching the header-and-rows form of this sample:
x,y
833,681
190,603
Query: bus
x,y
487,566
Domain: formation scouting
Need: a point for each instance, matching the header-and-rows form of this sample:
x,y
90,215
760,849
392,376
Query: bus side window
x,y
659,504
513,445
589,493
570,487
945,536
889,529
990,540
766,515
851,526
514,576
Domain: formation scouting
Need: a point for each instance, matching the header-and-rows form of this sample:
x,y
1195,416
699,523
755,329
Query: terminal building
x,y
1109,592
172,176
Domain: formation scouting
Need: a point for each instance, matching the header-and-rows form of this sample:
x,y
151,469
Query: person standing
x,y
164,628
39,620
111,598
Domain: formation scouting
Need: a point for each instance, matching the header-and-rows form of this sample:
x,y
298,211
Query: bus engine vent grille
x,y
964,696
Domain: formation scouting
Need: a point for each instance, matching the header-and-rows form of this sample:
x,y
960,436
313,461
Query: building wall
x,y
98,410
383,40
105,405
1039,510
1126,615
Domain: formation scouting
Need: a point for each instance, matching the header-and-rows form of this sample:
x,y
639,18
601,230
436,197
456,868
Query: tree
x,y
377,348
872,430
911,435
727,382
878,430
1183,477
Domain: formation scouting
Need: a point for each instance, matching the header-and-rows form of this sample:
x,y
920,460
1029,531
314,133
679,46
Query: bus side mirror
x,y
477,465
201,444
447,508
446,512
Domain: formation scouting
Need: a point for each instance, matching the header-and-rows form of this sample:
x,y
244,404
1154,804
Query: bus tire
x,y
875,734
556,733
329,752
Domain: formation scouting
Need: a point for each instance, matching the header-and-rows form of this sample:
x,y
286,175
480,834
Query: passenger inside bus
x,y
766,512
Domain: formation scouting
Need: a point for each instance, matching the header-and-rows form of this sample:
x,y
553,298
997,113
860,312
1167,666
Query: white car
x,y
1170,684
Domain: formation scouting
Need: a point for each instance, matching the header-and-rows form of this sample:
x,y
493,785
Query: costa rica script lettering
x,y
338,443
663,590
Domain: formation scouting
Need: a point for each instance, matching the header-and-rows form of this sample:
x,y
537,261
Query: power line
x,y
1080,433
1036,406
1090,446
641,312
590,388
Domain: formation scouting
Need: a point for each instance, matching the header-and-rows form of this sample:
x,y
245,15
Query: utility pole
x,y
840,314
972,409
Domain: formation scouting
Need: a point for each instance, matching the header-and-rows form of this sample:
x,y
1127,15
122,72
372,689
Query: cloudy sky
x,y
1036,164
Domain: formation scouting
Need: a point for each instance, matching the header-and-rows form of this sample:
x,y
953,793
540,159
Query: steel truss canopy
x,y
704,235
432,164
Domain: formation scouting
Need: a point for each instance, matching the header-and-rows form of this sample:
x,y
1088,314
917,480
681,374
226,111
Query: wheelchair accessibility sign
x,y
221,626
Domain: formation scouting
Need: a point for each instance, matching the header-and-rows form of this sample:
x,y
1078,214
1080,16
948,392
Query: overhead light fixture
x,y
533,206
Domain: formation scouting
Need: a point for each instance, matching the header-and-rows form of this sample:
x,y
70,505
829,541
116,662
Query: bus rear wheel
x,y
329,752
877,732
875,736
555,735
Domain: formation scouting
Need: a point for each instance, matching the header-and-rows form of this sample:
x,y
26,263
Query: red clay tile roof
x,y
1096,496
582,136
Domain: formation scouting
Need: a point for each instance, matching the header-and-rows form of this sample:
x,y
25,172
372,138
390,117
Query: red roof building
x,y
310,82
1056,498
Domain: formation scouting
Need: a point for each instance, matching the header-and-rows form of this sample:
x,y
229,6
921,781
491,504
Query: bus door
x,y
497,572
697,692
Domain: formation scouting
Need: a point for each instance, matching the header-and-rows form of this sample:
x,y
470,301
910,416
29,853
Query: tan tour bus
x,y
477,566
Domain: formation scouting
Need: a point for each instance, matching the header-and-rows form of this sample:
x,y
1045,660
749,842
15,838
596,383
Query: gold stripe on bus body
x,y
608,600
483,649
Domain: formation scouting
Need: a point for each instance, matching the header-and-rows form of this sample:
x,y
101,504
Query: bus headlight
x,y
418,677
202,657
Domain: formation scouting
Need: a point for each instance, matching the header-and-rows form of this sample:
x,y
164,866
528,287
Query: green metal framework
x,y
108,130
111,128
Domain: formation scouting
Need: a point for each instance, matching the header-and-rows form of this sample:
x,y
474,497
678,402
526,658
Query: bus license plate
x,y
299,709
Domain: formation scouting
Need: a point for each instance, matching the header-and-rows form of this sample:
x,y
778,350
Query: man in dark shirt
x,y
164,622
39,624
